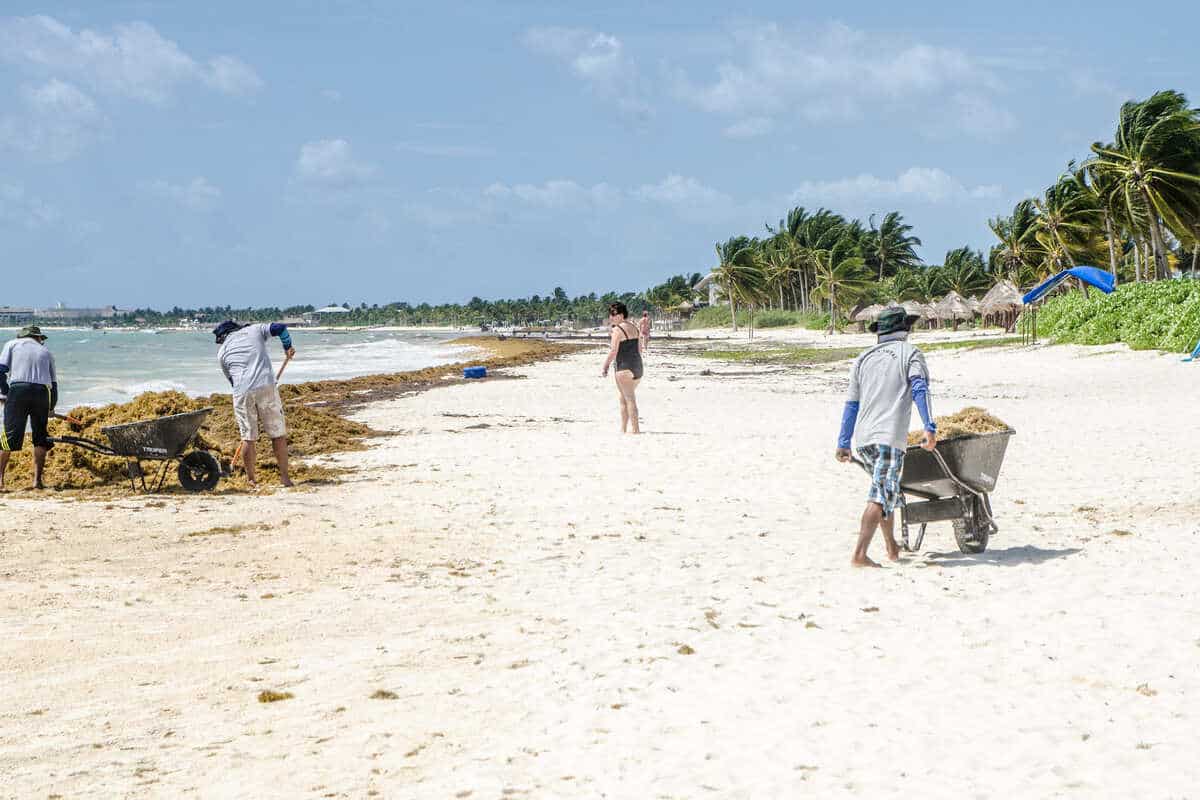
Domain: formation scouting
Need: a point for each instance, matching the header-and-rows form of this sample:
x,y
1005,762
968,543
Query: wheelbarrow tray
x,y
156,439
975,459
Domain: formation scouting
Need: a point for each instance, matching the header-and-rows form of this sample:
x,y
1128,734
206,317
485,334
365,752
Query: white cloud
x,y
229,75
18,208
134,60
197,195
330,162
836,72
58,122
598,59
556,194
677,190
749,128
446,150
922,184
332,95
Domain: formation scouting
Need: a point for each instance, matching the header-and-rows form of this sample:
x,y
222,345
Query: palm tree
x,y
841,277
776,254
922,284
1154,167
740,272
964,272
889,247
1101,186
1067,220
1019,252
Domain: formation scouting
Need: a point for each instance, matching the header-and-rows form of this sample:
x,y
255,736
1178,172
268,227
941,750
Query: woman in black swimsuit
x,y
626,351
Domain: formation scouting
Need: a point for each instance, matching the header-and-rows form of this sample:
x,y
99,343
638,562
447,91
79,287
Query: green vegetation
x,y
807,356
780,318
1164,315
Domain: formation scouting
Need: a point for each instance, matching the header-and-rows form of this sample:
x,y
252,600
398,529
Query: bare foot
x,y
288,484
39,486
893,553
862,562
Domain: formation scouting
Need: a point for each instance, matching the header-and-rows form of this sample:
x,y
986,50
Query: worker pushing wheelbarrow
x,y
165,439
952,478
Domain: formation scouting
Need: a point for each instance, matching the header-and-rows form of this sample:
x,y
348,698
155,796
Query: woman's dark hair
x,y
618,308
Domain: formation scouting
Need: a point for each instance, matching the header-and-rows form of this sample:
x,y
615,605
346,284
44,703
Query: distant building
x,y
328,312
61,314
15,316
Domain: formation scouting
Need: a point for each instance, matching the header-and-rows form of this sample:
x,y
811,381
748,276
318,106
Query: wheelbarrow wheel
x,y
199,472
972,537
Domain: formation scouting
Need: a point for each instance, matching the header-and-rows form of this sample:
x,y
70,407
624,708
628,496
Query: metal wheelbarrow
x,y
952,483
164,439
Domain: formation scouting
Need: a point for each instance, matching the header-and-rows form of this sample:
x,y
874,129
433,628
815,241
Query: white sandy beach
x,y
563,612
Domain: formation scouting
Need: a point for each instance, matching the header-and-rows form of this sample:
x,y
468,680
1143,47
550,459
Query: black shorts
x,y
26,402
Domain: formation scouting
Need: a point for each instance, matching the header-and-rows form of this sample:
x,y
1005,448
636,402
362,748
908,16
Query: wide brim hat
x,y
892,319
32,332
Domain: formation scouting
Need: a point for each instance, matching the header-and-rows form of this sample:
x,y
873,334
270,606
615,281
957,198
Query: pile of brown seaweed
x,y
968,421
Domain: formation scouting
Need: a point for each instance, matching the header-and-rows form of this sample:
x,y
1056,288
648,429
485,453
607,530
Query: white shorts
x,y
259,408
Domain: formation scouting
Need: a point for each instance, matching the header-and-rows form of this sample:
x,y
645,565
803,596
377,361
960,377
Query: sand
x,y
507,599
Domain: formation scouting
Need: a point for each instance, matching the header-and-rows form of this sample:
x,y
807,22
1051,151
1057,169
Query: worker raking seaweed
x,y
256,402
29,393
886,381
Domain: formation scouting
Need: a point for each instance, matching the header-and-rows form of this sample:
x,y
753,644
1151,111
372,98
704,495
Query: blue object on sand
x,y
474,372
1195,354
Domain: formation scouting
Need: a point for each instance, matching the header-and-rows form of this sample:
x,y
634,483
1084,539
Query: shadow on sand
x,y
1009,557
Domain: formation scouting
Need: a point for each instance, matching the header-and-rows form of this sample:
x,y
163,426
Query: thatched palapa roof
x,y
1004,296
919,309
869,314
952,306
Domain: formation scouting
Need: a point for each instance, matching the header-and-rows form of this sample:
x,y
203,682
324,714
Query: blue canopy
x,y
1092,276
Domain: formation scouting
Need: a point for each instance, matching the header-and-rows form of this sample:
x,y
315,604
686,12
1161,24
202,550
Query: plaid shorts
x,y
885,464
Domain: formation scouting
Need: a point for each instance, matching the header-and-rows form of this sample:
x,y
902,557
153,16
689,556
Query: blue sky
x,y
162,153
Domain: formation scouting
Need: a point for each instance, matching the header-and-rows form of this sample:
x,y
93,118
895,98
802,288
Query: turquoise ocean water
x,y
97,366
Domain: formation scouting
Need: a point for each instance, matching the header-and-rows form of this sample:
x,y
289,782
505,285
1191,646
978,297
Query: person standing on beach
x,y
626,352
29,393
885,382
644,327
256,402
